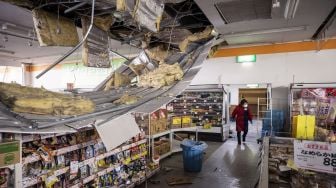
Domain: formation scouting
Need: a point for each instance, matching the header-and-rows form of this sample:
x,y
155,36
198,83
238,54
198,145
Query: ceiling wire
x,y
5,74
171,31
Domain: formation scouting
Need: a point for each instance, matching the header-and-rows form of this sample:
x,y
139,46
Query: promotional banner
x,y
316,156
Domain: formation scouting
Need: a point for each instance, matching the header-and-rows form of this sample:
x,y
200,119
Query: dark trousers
x,y
239,136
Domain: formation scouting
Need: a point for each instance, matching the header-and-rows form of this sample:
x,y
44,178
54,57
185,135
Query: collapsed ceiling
x,y
127,21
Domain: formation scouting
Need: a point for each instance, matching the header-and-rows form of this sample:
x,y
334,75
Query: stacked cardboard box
x,y
161,147
158,121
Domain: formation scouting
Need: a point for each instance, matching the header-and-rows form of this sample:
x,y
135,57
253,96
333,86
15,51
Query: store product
x,y
41,101
196,109
284,173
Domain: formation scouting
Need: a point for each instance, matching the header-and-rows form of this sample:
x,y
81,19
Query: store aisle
x,y
226,165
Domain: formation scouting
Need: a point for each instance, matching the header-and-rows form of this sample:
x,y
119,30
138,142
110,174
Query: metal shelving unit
x,y
200,109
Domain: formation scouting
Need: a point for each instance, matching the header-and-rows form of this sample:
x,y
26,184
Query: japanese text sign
x,y
316,156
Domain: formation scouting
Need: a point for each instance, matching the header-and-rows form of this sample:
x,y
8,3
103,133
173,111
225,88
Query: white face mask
x,y
245,105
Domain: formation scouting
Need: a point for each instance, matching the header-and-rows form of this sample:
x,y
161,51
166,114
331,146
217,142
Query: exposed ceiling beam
x,y
277,48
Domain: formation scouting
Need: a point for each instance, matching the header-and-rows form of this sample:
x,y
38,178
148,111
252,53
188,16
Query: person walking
x,y
242,115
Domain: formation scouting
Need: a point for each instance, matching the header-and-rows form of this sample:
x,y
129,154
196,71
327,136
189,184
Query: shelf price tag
x,y
205,100
194,100
215,100
210,107
197,106
206,112
316,156
184,100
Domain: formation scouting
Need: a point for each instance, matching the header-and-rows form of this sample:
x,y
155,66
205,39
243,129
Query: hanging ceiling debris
x,y
174,38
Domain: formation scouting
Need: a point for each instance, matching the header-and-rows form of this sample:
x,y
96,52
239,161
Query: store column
x,y
27,76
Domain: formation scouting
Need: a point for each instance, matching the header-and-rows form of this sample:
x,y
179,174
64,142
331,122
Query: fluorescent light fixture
x,y
246,58
268,31
252,85
291,8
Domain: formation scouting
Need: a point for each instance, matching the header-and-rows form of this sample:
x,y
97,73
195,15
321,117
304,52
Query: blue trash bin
x,y
193,155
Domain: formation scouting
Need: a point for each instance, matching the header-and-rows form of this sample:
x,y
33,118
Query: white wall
x,y
277,69
10,74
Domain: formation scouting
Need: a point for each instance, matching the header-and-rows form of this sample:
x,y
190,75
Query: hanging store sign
x,y
316,156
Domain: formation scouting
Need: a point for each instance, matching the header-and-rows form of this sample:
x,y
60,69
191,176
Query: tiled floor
x,y
225,165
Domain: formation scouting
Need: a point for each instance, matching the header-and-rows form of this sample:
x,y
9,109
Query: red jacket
x,y
238,114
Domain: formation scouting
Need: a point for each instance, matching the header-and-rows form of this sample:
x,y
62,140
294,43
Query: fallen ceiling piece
x,y
127,99
158,53
54,31
41,101
104,22
206,33
148,13
121,5
171,181
117,80
96,47
164,75
20,3
119,130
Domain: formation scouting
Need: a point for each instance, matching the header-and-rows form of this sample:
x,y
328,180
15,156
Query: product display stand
x,y
50,160
160,135
206,106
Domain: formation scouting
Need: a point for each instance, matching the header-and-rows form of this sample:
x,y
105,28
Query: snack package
x,y
322,111
332,112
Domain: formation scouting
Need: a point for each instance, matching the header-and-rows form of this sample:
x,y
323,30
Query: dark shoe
x,y
239,143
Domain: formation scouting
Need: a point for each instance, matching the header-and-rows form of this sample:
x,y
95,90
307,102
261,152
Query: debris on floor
x,y
178,181
154,181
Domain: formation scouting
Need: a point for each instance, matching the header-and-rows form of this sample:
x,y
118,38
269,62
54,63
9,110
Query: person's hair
x,y
243,101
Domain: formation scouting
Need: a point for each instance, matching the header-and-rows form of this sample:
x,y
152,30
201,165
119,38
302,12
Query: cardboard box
x,y
186,121
303,127
176,122
9,153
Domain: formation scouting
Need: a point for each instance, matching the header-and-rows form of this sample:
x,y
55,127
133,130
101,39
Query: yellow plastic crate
x,y
303,127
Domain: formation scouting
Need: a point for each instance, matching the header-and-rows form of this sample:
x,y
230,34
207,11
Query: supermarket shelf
x,y
212,130
36,180
176,150
184,129
144,179
173,130
35,158
160,134
165,155
31,137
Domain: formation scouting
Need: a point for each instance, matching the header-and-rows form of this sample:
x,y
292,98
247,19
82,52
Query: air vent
x,y
244,10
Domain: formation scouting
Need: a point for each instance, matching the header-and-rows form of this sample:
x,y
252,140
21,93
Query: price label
x,y
210,107
215,100
184,100
197,106
316,156
206,112
205,100
194,100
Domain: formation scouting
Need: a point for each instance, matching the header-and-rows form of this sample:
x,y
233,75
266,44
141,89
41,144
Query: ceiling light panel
x,y
238,11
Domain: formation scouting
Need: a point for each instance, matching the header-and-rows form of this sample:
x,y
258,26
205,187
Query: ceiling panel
x,y
310,13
